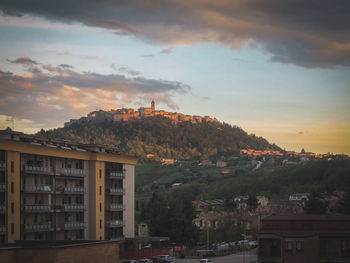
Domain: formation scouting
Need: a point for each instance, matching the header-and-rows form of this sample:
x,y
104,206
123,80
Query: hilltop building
x,y
62,190
131,114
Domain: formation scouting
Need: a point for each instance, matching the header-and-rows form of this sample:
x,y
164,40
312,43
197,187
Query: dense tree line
x,y
164,138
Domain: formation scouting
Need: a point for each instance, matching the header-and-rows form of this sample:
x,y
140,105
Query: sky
x,y
277,69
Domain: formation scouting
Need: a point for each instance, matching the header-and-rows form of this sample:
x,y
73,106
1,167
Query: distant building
x,y
168,161
299,197
304,239
143,230
221,164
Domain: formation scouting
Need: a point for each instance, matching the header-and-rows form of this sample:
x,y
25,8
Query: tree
x,y
315,205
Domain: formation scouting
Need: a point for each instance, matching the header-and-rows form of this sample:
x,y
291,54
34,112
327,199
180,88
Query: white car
x,y
205,260
165,258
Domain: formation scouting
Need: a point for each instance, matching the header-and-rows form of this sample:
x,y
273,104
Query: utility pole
x,y
207,238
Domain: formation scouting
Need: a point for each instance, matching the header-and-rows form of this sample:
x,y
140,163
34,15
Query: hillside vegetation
x,y
165,139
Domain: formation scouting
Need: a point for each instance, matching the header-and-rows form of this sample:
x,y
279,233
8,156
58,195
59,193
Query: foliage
x,y
164,138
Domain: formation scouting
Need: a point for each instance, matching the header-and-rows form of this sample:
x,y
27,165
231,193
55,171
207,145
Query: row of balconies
x,y
120,175
2,165
117,190
37,188
50,170
75,189
116,223
2,208
116,207
48,226
48,207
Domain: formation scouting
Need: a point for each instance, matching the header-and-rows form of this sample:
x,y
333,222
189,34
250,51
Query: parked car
x,y
156,260
165,258
128,261
253,243
205,260
146,260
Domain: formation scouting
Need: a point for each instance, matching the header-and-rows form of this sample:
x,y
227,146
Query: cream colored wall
x,y
129,197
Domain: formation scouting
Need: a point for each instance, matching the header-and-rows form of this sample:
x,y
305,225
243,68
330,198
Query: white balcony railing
x,y
117,207
36,227
3,229
117,174
71,171
33,168
37,188
116,223
73,207
74,189
117,190
2,165
36,208
74,225
3,187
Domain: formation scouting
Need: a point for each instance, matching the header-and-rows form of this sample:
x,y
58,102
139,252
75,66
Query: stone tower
x,y
153,105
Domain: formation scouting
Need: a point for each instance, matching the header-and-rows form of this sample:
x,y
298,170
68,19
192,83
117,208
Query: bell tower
x,y
153,105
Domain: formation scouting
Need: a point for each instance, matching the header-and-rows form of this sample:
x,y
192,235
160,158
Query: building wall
x,y
129,213
13,196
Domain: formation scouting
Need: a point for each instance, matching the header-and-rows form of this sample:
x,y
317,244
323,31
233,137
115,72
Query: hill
x,y
165,139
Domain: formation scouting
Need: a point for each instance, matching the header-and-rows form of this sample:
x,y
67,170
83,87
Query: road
x,y
247,257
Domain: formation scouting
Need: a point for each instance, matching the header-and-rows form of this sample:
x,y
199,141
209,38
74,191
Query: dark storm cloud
x,y
308,33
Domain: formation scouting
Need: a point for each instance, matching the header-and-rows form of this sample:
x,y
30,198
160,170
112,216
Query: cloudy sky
x,y
278,69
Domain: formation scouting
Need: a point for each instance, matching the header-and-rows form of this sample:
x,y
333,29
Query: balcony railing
x,y
37,208
37,188
40,169
2,165
116,223
118,207
74,225
2,208
120,175
74,189
3,229
38,227
72,172
3,187
117,190
73,207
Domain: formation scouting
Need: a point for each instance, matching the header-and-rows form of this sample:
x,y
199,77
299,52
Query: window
x,y
12,229
12,187
100,223
100,190
100,173
289,246
100,207
345,248
12,208
299,246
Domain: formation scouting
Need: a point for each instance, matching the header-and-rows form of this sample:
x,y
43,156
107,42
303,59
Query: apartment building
x,y
304,238
61,190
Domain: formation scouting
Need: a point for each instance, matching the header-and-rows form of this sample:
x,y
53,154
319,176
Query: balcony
x,y
2,209
37,169
2,165
3,230
73,207
74,225
38,227
71,172
37,188
37,208
116,207
117,191
116,223
117,175
3,187
74,190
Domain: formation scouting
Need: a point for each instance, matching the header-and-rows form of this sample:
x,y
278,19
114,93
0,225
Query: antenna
x,y
11,119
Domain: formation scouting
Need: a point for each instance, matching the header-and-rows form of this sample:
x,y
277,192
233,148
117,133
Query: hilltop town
x,y
125,114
